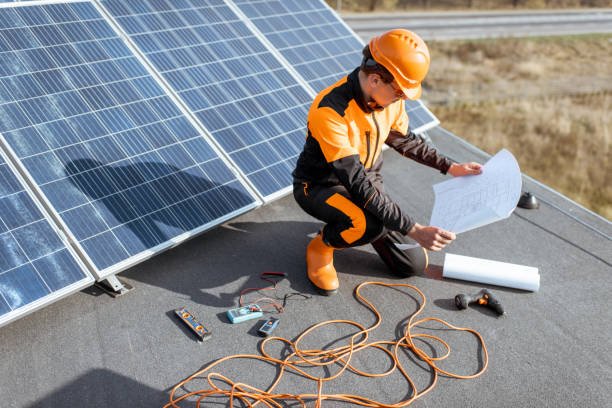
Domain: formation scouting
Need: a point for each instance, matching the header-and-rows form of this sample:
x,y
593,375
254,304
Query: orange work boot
x,y
320,263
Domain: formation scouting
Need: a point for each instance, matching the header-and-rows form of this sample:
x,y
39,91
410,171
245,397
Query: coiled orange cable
x,y
251,396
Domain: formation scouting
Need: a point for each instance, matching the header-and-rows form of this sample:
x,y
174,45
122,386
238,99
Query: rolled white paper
x,y
491,272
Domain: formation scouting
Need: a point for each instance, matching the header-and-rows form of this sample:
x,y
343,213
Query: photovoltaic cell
x,y
234,85
308,35
124,168
318,45
36,267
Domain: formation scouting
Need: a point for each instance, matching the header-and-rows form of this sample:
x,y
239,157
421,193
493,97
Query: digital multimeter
x,y
244,313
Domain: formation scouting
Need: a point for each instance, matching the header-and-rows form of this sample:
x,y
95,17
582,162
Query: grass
x,y
445,5
547,100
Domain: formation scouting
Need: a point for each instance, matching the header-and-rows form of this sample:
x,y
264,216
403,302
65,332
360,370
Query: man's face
x,y
384,93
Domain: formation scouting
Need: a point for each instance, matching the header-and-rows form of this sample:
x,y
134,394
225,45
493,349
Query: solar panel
x,y
252,106
36,267
125,169
318,44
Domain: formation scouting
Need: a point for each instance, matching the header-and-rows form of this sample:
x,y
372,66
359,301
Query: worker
x,y
337,177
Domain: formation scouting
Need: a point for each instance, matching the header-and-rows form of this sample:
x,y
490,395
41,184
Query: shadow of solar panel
x,y
318,45
227,77
123,167
36,267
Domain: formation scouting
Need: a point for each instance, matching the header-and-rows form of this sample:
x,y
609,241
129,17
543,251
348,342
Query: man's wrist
x,y
414,229
446,165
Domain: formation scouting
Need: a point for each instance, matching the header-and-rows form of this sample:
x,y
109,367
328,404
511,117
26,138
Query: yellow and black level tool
x,y
198,328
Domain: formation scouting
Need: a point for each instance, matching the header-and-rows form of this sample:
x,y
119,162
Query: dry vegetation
x,y
393,5
548,100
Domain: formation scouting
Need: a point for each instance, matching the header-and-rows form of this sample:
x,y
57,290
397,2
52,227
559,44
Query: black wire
x,y
289,295
280,276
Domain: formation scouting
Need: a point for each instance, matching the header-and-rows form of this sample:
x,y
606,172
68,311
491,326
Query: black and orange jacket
x,y
344,146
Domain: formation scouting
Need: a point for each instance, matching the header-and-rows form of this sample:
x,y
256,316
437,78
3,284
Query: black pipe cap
x,y
528,201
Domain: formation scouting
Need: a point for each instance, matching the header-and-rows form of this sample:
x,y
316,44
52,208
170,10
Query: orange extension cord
x,y
251,396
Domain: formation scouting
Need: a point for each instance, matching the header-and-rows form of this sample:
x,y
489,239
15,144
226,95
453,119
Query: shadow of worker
x,y
99,388
146,204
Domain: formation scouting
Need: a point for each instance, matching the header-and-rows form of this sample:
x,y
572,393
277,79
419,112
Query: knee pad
x,y
405,262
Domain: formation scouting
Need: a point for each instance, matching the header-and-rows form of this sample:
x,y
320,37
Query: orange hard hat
x,y
405,55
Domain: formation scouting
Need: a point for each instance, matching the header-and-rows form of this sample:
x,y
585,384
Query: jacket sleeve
x,y
331,132
413,146
352,175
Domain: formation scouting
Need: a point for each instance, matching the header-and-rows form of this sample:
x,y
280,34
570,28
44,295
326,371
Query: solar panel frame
x,y
30,215
162,92
274,136
417,110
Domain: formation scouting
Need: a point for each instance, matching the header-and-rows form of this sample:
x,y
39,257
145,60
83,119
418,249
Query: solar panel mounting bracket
x,y
113,286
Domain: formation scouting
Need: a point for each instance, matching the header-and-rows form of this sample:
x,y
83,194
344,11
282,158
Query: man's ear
x,y
374,80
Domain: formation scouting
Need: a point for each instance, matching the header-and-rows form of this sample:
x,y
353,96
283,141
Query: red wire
x,y
263,276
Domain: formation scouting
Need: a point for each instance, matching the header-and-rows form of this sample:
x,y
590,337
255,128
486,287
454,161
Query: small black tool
x,y
268,326
484,297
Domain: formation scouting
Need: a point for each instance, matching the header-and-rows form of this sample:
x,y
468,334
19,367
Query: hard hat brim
x,y
413,93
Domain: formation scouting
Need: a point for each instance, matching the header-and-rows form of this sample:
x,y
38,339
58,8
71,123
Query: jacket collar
x,y
366,106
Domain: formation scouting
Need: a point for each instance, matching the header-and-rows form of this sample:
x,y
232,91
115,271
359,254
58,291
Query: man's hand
x,y
464,169
432,238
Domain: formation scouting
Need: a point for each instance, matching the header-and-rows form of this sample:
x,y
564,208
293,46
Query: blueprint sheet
x,y
468,202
